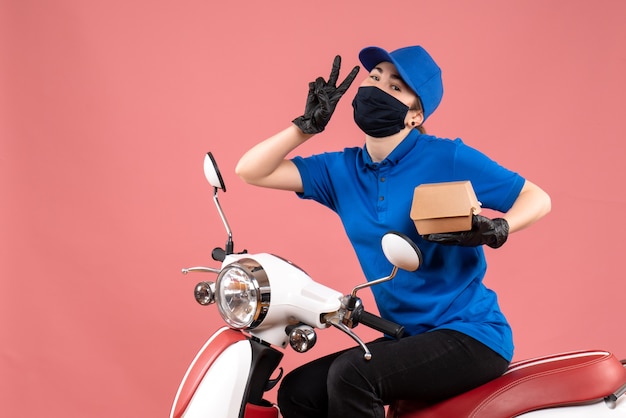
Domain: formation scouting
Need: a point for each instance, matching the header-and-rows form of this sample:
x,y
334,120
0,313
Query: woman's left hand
x,y
485,231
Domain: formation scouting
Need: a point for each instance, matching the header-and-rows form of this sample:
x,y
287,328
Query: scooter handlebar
x,y
380,324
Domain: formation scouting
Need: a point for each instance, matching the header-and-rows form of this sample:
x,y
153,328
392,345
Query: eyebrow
x,y
394,76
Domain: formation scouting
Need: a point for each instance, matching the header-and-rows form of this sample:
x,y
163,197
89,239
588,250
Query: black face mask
x,y
377,113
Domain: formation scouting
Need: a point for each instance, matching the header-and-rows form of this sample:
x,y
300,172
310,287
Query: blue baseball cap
x,y
416,67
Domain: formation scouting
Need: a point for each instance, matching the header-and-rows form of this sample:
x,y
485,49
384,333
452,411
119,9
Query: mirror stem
x,y
229,243
372,283
230,247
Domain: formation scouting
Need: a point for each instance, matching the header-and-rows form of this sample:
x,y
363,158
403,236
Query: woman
x,y
457,337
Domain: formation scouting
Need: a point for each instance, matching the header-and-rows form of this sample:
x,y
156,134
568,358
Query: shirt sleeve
x,y
496,187
316,181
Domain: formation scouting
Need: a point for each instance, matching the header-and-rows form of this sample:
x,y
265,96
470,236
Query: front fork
x,y
265,361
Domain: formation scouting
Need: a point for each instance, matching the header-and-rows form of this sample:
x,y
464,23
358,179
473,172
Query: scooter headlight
x,y
243,294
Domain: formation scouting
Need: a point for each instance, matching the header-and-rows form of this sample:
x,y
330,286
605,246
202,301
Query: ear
x,y
416,118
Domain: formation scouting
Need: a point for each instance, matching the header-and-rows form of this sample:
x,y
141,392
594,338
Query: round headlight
x,y
243,294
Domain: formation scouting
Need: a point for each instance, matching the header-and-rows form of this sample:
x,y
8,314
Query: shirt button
x,y
382,179
381,198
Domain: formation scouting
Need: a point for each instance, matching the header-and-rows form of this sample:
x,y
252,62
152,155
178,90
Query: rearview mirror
x,y
212,172
401,251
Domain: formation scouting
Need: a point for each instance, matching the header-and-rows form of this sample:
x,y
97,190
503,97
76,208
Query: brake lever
x,y
336,322
200,270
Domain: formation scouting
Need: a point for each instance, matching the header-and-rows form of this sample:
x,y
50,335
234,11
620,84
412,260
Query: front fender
x,y
215,382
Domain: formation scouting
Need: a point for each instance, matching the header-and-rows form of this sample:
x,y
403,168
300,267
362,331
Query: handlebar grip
x,y
381,324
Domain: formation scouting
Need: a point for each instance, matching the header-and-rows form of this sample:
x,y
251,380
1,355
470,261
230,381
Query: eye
x,y
396,88
374,77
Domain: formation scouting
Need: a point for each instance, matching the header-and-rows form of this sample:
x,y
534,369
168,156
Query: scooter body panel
x,y
216,380
294,295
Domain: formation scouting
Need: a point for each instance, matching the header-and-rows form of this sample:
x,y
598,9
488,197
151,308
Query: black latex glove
x,y
491,232
322,99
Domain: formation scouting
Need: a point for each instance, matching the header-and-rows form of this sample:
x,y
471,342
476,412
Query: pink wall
x,y
107,109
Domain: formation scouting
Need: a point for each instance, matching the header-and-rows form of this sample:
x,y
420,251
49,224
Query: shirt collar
x,y
395,156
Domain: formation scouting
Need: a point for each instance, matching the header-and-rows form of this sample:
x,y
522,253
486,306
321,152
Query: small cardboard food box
x,y
444,207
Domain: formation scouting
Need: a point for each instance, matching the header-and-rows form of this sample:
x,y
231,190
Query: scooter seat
x,y
558,380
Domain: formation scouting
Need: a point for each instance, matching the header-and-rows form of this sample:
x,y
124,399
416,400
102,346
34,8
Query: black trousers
x,y
429,367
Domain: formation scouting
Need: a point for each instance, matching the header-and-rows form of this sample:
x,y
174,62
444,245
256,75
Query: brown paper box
x,y
444,207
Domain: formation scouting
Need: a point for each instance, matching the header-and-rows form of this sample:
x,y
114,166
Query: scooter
x,y
268,303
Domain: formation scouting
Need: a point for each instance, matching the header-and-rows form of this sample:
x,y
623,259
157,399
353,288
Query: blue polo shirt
x,y
372,198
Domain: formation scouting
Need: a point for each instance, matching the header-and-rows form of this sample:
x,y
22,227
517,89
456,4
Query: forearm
x,y
531,205
262,164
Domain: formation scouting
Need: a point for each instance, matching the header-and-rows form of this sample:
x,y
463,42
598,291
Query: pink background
x,y
107,109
